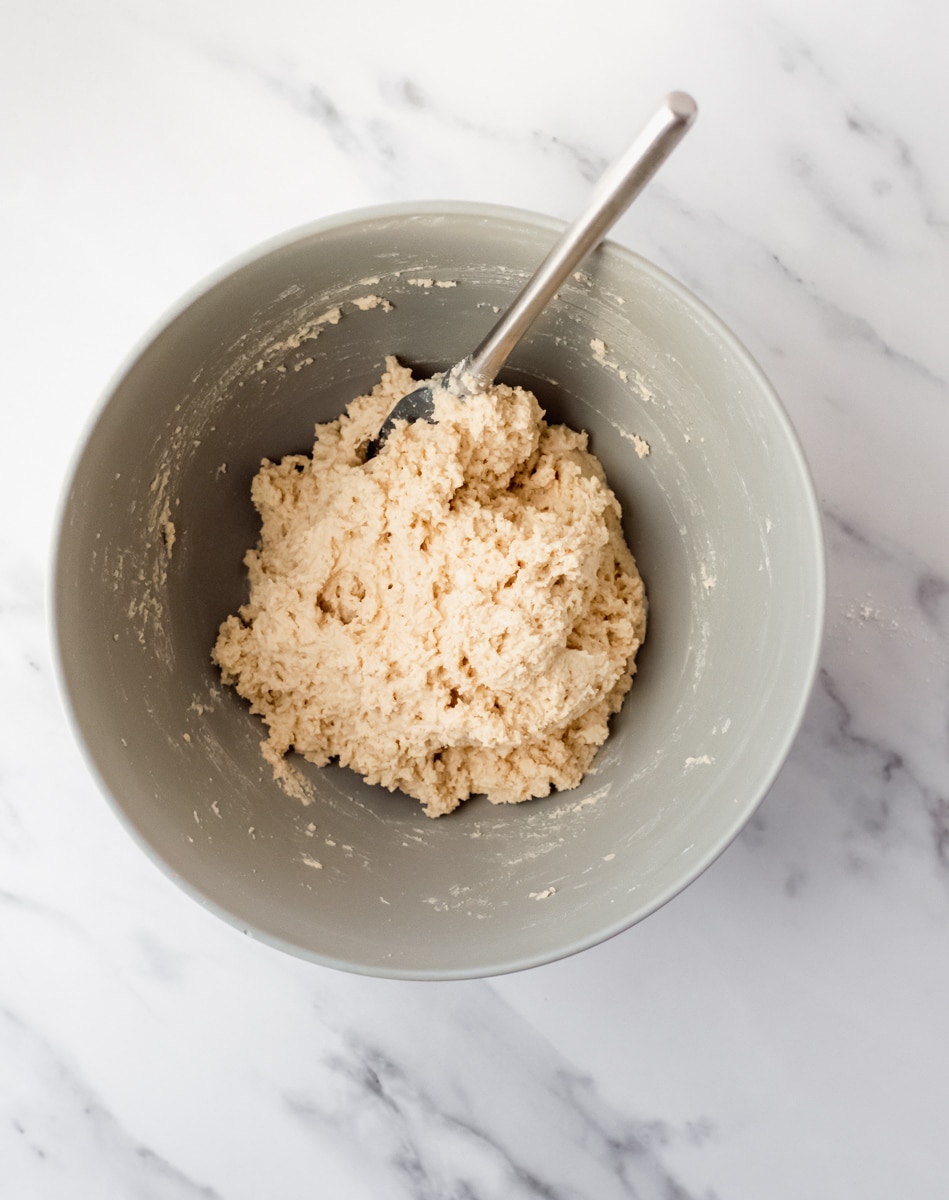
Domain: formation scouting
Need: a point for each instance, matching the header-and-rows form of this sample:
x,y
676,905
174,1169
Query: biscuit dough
x,y
459,615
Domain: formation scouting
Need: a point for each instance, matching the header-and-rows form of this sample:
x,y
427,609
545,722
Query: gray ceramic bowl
x,y
720,515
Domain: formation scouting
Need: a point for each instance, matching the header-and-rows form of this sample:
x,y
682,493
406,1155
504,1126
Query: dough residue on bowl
x,y
459,615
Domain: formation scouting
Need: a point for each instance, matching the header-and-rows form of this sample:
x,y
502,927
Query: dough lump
x,y
459,615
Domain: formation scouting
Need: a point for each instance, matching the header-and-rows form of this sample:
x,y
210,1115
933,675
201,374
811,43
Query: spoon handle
x,y
616,189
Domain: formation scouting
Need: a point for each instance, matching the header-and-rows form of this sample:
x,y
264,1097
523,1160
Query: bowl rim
x,y
810,511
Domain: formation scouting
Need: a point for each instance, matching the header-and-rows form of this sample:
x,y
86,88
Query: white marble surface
x,y
780,1029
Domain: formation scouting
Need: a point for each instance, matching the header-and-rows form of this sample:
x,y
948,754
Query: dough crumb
x,y
365,303
544,895
425,282
458,616
600,348
288,778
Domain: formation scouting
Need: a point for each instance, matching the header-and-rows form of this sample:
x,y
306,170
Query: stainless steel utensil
x,y
615,191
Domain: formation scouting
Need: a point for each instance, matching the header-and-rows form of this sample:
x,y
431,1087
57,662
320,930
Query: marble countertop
x,y
779,1030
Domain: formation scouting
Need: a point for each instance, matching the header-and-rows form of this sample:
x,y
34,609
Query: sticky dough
x,y
459,615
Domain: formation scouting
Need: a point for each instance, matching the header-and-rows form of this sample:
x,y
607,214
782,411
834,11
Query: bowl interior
x,y
720,516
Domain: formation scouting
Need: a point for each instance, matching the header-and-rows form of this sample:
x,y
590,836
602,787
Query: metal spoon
x,y
616,189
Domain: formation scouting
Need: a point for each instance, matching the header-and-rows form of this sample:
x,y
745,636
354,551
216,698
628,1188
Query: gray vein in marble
x,y
864,127
884,771
376,139
405,92
808,174
73,1134
590,164
892,779
847,801
26,904
384,1082
425,1141
855,327
931,587
12,829
403,1103
164,961
370,141
842,322
932,595
795,56
314,102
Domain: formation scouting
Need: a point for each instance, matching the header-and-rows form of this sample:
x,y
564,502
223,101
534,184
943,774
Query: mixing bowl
x,y
720,514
